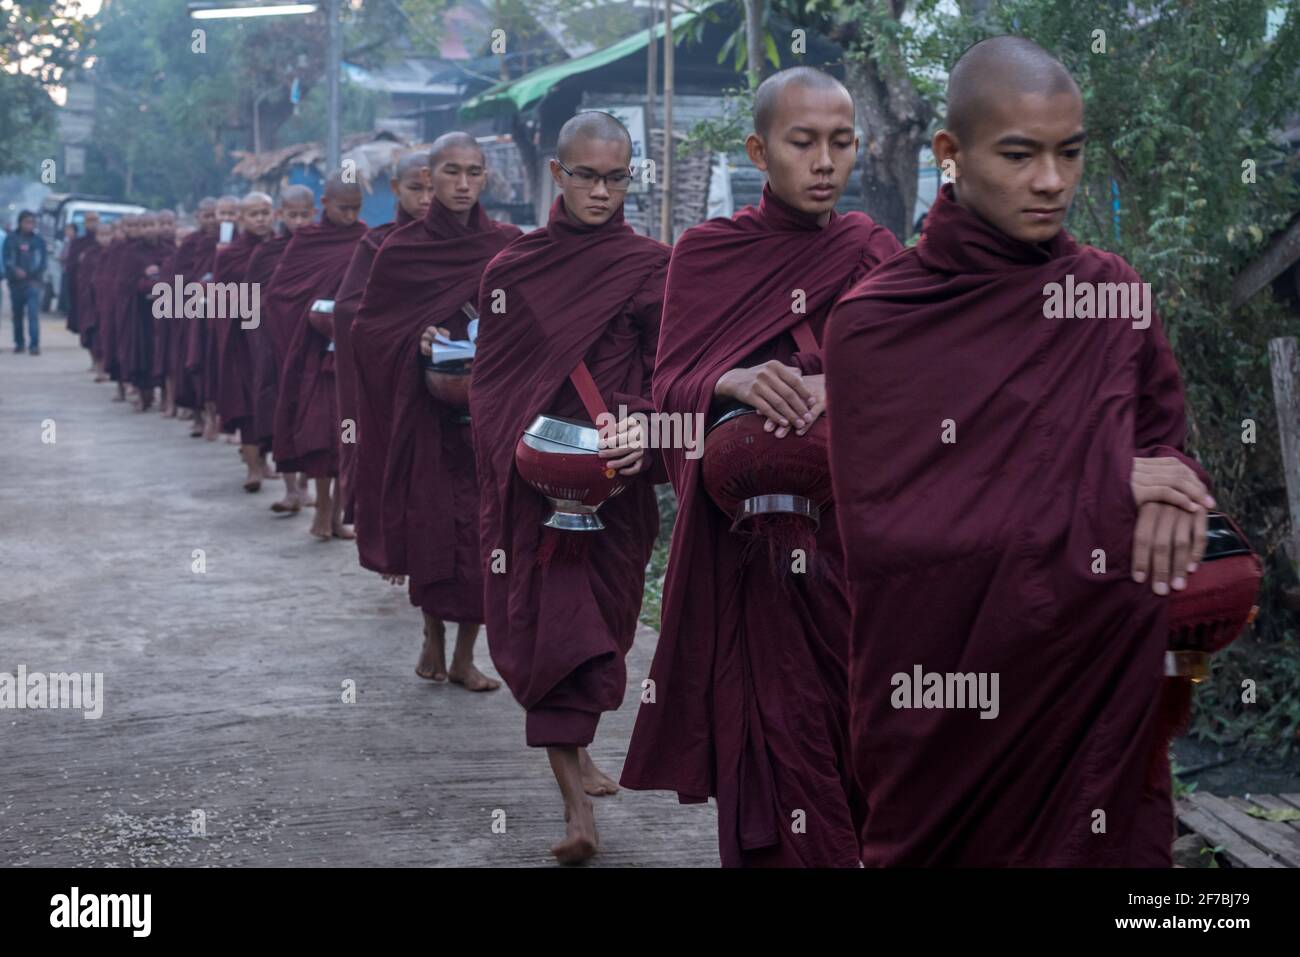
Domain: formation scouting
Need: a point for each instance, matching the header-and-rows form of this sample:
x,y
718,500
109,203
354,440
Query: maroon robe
x,y
346,301
77,249
138,350
87,318
163,327
416,489
751,669
234,394
306,425
978,555
138,255
122,318
562,615
266,374
193,262
200,331
104,283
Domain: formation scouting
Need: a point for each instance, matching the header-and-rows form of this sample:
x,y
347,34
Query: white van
x,y
59,209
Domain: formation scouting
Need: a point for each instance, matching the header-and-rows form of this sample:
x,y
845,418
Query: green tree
x,y
39,42
172,106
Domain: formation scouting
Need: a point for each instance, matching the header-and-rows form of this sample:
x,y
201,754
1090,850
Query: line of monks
x,y
979,455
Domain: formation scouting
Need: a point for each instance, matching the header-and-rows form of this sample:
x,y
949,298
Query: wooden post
x,y
647,198
666,215
1284,359
652,54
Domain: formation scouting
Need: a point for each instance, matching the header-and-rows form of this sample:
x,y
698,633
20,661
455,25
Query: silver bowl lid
x,y
555,433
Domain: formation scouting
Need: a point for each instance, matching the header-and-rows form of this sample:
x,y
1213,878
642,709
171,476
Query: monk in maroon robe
x,y
162,328
117,297
414,194
562,606
143,253
1006,479
202,349
72,265
417,491
235,361
193,264
751,670
297,208
86,271
138,332
306,426
105,298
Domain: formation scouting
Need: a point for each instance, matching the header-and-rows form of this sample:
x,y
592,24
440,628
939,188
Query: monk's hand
x,y
1171,481
427,337
817,386
624,446
776,390
1168,544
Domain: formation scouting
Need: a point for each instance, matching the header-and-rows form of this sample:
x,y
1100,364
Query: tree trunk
x,y
895,122
1276,258
754,42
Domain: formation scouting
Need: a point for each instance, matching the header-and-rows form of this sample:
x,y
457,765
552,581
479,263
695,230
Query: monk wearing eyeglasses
x,y
562,606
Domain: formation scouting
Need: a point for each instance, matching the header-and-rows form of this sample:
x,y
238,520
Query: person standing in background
x,y
24,264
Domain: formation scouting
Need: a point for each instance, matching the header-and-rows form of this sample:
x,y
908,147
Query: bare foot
x,y
344,531
291,503
432,665
594,781
471,678
321,529
580,838
394,579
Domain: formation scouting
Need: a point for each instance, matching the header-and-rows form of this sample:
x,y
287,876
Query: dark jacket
x,y
26,253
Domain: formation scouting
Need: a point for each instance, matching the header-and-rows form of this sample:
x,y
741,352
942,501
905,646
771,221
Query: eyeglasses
x,y
618,181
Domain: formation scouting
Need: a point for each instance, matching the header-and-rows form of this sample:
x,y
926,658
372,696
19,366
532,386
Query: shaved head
x,y
413,161
412,183
206,214
588,126
337,189
455,140
804,139
256,214
996,70
297,195
768,95
1013,142
341,203
297,206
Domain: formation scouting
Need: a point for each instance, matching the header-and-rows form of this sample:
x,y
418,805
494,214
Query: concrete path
x,y
223,689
